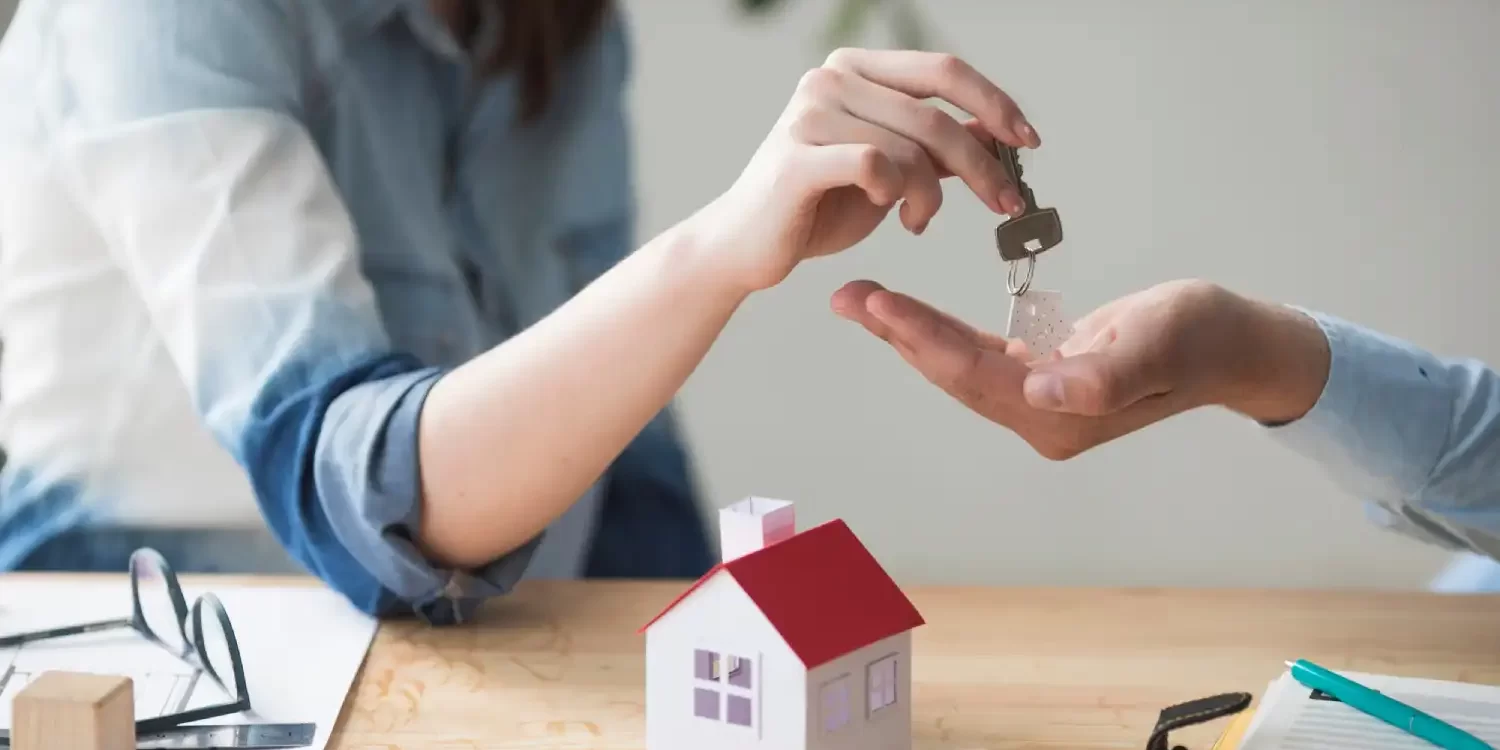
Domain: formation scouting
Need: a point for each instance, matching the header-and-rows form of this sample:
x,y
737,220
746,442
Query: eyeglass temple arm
x,y
41,635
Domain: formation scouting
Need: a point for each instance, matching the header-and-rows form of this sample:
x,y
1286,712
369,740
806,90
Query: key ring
x,y
1010,276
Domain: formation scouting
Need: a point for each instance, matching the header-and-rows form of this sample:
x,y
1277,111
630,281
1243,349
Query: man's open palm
x,y
1129,364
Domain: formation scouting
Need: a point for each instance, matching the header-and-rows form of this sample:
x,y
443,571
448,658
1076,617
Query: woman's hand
x,y
855,139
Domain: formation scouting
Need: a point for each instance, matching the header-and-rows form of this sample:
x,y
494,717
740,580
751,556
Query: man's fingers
x,y
971,366
851,303
948,352
917,322
1093,383
855,295
933,74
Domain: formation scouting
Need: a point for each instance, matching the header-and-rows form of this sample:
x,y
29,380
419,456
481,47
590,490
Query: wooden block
x,y
73,711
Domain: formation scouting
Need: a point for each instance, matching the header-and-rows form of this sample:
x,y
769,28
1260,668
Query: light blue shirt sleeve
x,y
181,129
1414,435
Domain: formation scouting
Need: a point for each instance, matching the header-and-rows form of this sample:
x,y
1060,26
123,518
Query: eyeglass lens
x,y
158,604
213,645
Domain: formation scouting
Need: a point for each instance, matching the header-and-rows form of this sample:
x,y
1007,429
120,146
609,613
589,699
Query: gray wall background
x,y
1334,153
1337,154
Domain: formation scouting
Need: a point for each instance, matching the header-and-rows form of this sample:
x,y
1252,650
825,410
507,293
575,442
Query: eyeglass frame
x,y
191,646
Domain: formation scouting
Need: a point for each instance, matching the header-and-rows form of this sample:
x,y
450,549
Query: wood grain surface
x,y
559,665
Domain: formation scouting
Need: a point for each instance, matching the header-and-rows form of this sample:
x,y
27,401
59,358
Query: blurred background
x,y
1336,154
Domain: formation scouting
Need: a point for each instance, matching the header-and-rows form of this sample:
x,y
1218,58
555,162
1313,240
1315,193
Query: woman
x,y
360,271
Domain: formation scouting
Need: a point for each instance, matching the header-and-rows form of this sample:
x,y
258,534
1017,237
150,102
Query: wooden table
x,y
559,665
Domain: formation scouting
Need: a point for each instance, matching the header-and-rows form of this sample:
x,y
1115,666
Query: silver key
x,y
1035,231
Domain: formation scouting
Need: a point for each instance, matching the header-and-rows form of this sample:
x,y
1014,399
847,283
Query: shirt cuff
x,y
1382,420
378,517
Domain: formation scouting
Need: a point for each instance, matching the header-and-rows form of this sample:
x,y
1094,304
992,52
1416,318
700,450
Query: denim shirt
x,y
239,243
1414,436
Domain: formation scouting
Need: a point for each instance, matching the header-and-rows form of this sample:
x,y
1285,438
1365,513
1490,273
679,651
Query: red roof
x,y
822,591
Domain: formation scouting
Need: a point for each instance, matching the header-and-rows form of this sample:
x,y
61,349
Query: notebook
x,y
1291,715
1230,740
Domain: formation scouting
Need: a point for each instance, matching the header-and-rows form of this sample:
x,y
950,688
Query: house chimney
x,y
753,523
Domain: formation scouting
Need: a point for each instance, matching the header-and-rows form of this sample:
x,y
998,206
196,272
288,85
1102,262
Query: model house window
x,y
882,683
835,702
723,687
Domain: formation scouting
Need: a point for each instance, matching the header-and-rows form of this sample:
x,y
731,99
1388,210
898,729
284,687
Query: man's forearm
x,y
510,440
1415,435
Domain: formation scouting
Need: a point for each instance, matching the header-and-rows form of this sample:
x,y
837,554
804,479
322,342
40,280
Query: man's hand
x,y
1134,362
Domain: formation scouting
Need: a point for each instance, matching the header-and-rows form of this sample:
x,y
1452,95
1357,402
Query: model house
x,y
795,640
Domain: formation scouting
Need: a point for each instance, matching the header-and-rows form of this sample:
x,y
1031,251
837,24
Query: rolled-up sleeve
x,y
183,136
1415,435
366,462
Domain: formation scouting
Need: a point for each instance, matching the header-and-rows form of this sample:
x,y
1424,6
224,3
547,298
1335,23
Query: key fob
x,y
1036,317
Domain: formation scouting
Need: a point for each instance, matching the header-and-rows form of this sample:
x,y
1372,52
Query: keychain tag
x,y
1036,318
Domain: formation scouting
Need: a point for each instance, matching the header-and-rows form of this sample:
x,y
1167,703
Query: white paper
x,y
301,647
1289,718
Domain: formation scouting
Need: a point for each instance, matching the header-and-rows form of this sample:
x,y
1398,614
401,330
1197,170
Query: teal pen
x,y
1385,708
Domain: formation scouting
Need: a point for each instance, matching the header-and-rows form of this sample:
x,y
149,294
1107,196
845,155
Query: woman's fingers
x,y
978,131
932,74
948,142
859,164
827,126
884,88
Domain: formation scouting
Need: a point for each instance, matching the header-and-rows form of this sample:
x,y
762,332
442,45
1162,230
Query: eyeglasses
x,y
200,635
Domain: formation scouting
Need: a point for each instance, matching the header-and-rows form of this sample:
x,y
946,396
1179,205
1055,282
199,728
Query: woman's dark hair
x,y
536,38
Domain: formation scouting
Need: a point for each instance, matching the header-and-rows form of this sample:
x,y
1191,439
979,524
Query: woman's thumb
x,y
1091,383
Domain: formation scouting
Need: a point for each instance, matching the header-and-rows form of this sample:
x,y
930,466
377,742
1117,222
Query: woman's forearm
x,y
511,439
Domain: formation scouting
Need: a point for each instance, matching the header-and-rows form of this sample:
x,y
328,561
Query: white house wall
x,y
720,617
888,728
